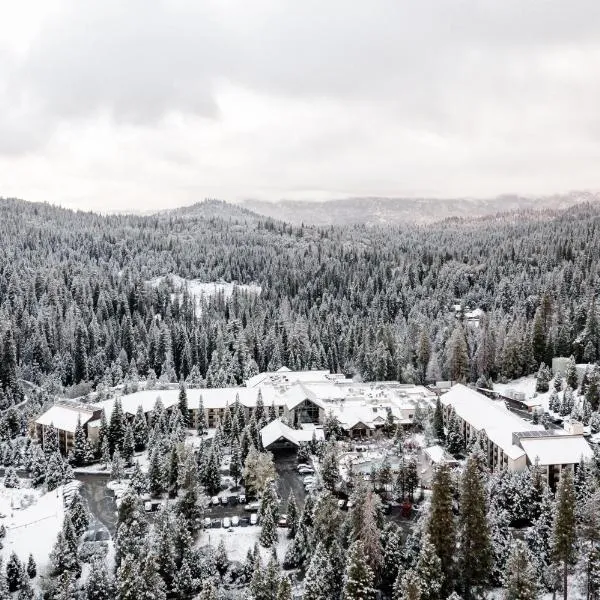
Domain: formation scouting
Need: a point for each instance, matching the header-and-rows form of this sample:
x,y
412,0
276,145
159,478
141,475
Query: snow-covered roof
x,y
298,393
437,454
491,416
558,450
65,417
285,376
145,398
276,430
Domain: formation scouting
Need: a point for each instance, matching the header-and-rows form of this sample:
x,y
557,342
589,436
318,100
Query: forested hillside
x,y
74,305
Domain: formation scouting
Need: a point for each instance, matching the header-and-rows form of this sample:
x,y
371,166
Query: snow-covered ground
x,y
200,290
32,522
239,540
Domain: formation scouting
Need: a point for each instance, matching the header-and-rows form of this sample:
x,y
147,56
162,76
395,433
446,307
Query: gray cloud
x,y
481,86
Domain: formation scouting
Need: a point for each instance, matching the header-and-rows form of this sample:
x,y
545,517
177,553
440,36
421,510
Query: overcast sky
x,y
142,104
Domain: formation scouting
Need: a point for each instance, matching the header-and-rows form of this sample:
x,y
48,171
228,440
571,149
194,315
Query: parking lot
x,y
289,479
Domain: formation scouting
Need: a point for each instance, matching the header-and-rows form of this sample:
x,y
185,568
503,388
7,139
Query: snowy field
x,y
32,522
201,290
241,539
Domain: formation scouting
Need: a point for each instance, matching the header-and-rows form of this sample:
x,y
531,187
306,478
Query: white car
x,y
226,522
253,518
235,521
253,506
207,522
306,470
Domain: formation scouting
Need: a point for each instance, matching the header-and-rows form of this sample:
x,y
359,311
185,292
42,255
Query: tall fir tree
x,y
475,544
565,526
441,526
358,577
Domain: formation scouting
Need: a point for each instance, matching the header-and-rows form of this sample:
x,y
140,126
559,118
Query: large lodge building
x,y
303,399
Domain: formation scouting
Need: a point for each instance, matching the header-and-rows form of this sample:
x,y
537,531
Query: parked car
x,y
341,503
253,518
227,522
235,521
215,523
244,522
206,522
306,471
224,500
215,500
252,506
283,521
242,498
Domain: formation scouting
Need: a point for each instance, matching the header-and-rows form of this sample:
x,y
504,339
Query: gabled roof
x,y
276,430
298,393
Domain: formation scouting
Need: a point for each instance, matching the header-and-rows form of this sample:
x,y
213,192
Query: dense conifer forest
x,y
377,302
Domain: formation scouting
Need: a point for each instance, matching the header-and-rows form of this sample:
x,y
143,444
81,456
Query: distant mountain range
x,y
393,211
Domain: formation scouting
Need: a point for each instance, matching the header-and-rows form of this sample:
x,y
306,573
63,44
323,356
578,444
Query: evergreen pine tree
x,y
438,421
475,544
285,589
78,514
128,445
441,526
116,429
564,525
140,429
14,573
292,515
408,586
31,568
236,466
99,586
117,472
182,404
358,577
571,373
318,576
201,424
429,570
79,444
521,579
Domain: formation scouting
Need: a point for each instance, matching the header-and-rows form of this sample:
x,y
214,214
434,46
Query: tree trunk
x,y
565,591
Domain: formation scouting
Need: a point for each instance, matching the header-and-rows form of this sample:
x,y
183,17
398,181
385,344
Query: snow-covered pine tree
x,y
564,529
116,429
429,570
438,421
182,405
140,429
358,577
78,513
128,445
79,444
292,515
99,585
117,471
201,424
318,576
330,472
521,580
441,526
408,586
31,568
475,554
11,479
